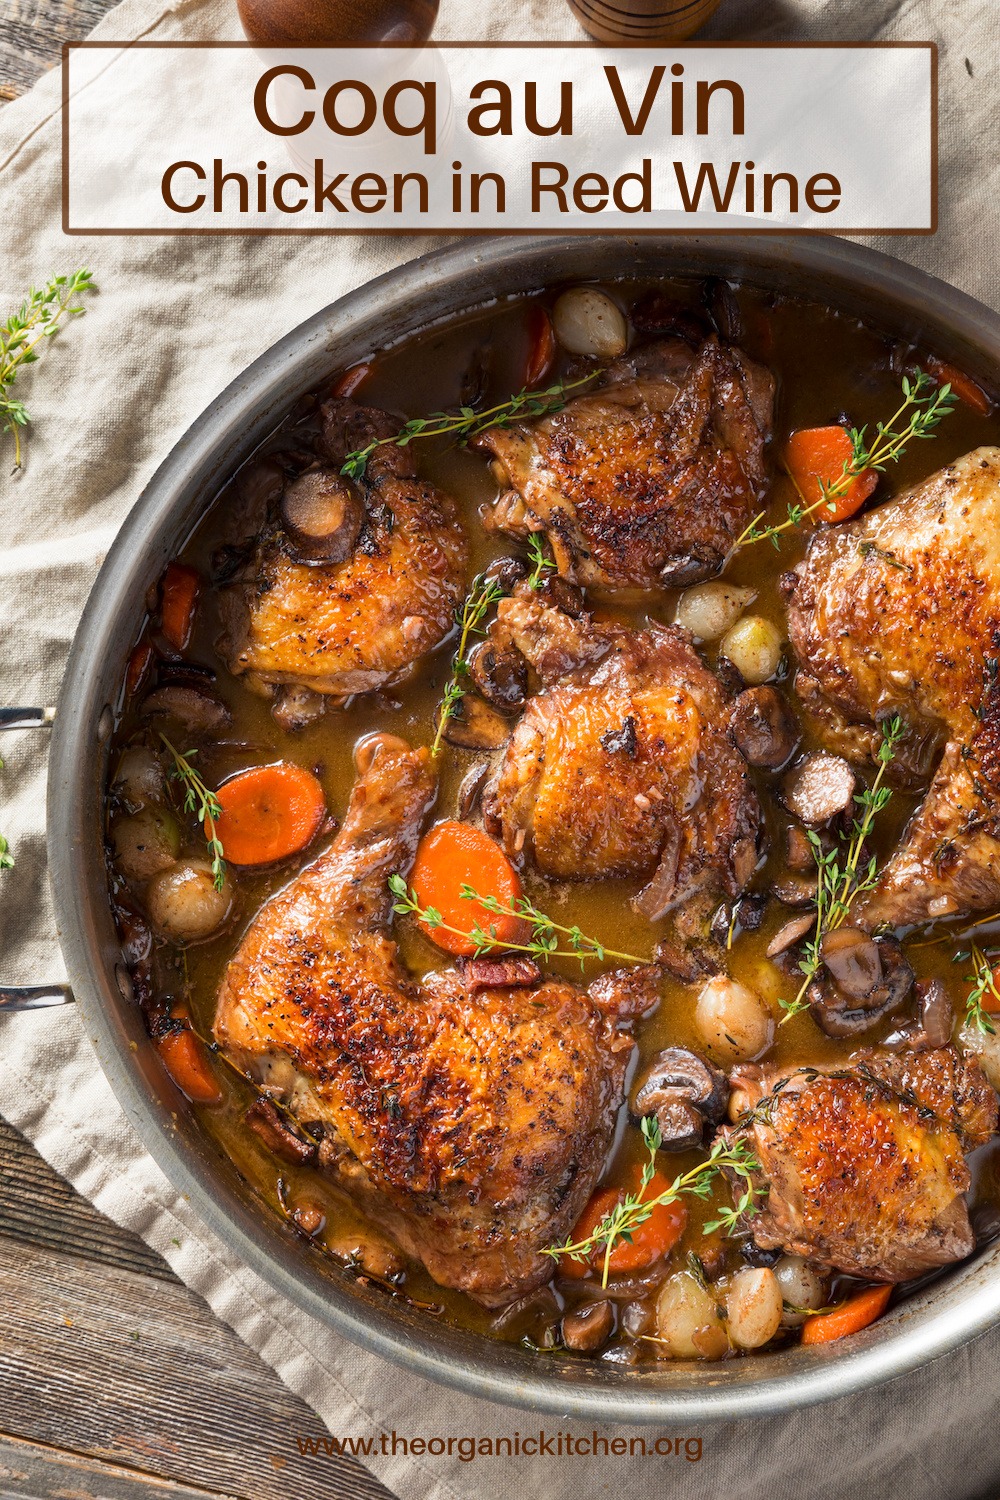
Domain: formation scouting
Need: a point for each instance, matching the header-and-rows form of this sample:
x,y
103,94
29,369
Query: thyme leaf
x,y
984,984
39,317
6,858
203,802
540,563
842,873
485,592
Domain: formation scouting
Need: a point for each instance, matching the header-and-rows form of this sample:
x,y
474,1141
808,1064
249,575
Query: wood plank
x,y
35,1472
137,1372
32,33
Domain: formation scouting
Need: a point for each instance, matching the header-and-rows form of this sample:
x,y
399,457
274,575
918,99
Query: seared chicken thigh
x,y
864,1165
648,477
470,1114
349,584
899,612
620,764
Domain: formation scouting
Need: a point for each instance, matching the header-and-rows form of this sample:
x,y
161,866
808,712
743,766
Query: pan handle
x,y
27,718
33,996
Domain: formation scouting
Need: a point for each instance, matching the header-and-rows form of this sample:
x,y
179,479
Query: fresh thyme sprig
x,y
540,563
544,942
39,317
924,401
485,592
6,858
467,423
838,884
621,1222
983,983
200,800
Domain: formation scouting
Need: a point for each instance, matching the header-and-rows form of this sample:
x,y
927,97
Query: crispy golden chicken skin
x,y
349,625
620,764
469,1116
864,1165
647,478
899,612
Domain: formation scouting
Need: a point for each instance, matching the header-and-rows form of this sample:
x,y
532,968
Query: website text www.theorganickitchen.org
x,y
467,1448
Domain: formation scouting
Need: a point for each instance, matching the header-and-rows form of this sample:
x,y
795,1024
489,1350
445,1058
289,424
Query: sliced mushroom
x,y
795,890
818,788
279,1134
789,933
295,706
693,566
471,790
562,594
474,725
844,1012
685,1093
763,728
500,675
507,571
199,712
323,514
937,1013
587,1328
799,855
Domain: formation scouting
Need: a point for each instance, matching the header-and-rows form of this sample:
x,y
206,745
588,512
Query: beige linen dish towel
x,y
175,320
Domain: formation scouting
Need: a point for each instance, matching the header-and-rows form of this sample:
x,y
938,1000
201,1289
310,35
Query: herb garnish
x,y
39,317
540,563
924,400
466,422
203,802
983,983
625,1218
545,938
485,592
6,858
838,884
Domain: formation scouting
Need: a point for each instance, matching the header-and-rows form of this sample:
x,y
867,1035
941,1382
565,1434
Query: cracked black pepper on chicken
x,y
558,854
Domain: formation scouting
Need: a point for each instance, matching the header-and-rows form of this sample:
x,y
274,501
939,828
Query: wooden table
x,y
115,1380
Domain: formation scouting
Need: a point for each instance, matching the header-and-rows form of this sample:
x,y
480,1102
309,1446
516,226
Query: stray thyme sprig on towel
x,y
546,935
6,858
39,317
924,404
466,422
203,802
621,1222
840,877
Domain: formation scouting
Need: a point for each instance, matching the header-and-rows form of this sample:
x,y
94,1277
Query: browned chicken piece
x,y
469,1113
898,612
621,764
647,478
349,584
864,1165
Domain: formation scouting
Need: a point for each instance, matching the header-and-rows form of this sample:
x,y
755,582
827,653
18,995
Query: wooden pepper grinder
x,y
642,20
337,23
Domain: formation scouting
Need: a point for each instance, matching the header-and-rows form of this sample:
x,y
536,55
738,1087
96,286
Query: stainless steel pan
x,y
473,271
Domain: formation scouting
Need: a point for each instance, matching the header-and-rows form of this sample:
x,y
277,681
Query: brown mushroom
x,y
799,853
296,705
323,514
506,571
840,1002
587,1328
790,932
474,725
199,712
279,1133
500,675
763,728
471,789
795,890
818,787
685,1093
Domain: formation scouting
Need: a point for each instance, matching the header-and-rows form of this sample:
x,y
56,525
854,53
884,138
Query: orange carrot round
x,y
964,387
814,457
268,813
351,380
856,1313
542,353
185,1058
598,1207
178,601
449,856
138,667
651,1239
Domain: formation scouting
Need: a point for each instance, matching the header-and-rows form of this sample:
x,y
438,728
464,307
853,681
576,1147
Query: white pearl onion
x,y
734,1022
753,645
687,1320
183,903
586,321
801,1285
753,1307
710,609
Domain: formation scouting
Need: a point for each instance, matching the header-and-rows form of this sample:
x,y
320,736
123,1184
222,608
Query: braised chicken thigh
x,y
349,584
469,1116
646,479
620,764
899,612
864,1164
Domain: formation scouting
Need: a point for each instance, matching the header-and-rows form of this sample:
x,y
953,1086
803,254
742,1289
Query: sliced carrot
x,y
651,1239
965,388
856,1313
351,380
990,1000
178,601
815,457
138,667
452,855
185,1058
543,347
268,813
